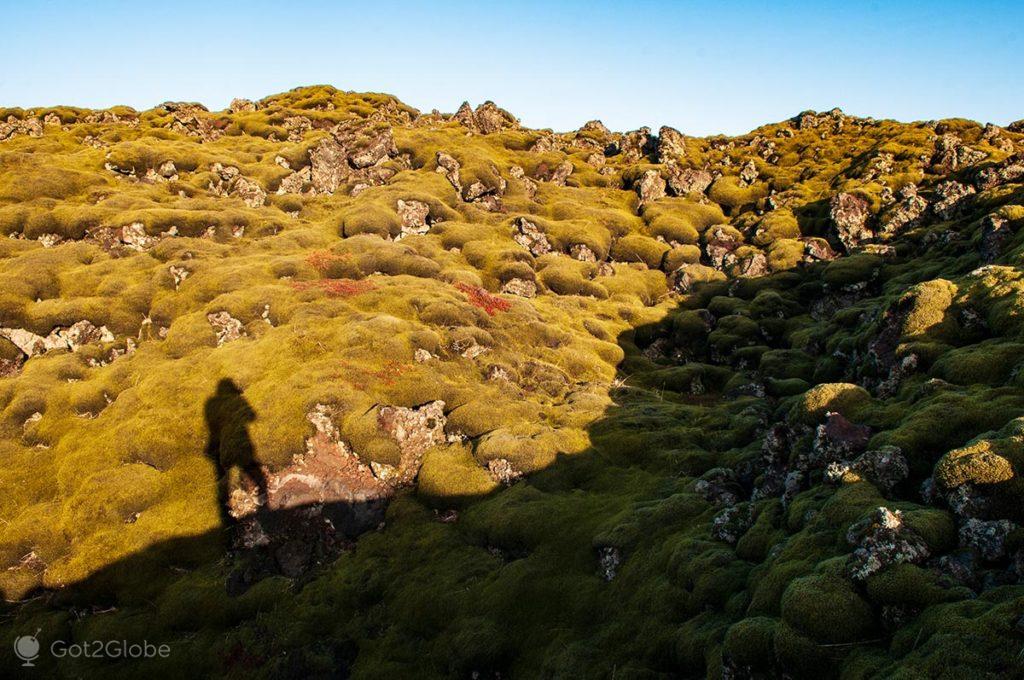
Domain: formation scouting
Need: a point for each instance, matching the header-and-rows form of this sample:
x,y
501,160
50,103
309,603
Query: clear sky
x,y
703,67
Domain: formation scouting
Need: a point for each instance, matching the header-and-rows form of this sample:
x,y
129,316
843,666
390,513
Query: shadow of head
x,y
227,417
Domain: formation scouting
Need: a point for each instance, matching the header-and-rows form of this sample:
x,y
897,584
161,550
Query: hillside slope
x,y
322,386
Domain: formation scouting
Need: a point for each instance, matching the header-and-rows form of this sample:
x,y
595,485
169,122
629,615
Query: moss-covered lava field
x,y
321,386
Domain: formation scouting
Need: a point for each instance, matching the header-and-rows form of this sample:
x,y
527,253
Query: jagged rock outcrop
x,y
488,118
671,144
13,127
230,182
529,236
849,216
952,155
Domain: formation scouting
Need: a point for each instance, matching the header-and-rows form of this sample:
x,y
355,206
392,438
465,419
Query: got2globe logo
x,y
26,648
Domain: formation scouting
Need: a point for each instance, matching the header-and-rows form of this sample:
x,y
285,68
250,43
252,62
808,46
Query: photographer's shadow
x,y
230,448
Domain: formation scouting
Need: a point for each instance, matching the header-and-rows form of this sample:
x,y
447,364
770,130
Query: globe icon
x,y
26,648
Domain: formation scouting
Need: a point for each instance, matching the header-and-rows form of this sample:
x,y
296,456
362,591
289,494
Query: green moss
x,y
827,610
750,642
909,584
727,192
639,248
851,270
844,398
370,219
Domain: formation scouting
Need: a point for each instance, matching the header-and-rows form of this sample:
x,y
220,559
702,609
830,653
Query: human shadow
x,y
229,446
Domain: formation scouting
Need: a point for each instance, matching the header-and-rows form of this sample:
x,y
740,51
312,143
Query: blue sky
x,y
703,67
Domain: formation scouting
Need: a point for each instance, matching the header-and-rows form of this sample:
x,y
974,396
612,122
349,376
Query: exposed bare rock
x,y
905,213
305,512
449,167
636,145
836,440
880,165
529,186
296,182
730,524
608,561
650,187
671,144
251,193
849,217
951,196
230,182
179,273
71,338
415,217
811,120
415,430
488,118
951,155
227,327
297,127
521,287
884,467
166,172
503,472
94,142
883,540
129,238
996,233
82,333
328,166
751,264
367,147
486,196
241,106
817,250
193,120
327,472
1009,170
50,240
748,174
581,252
683,181
30,127
110,118
995,135
595,127
559,174
469,349
545,144
765,148
183,107
987,538
899,370
968,502
528,235
11,367
720,246
719,486
29,343
356,153
496,373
